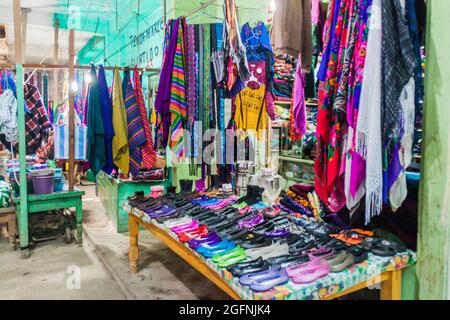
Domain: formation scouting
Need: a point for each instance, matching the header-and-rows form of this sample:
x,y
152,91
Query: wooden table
x,y
390,282
8,216
47,202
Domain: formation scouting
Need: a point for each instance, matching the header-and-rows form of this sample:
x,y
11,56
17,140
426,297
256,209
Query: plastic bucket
x,y
43,182
59,184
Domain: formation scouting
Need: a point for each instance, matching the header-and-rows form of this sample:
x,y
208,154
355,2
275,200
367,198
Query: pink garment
x,y
258,69
299,104
315,11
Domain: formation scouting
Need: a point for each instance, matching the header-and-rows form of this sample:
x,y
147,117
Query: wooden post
x,y
433,265
71,109
23,211
24,12
55,62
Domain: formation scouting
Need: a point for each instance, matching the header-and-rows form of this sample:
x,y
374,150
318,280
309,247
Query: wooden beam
x,y
433,265
71,109
24,12
55,62
23,211
76,67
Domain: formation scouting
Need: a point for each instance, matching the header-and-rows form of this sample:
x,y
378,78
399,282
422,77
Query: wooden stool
x,y
8,216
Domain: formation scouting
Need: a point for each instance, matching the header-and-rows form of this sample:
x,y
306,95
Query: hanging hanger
x,y
254,80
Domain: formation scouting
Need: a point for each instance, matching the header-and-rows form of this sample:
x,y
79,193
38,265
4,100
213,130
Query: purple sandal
x,y
312,275
267,284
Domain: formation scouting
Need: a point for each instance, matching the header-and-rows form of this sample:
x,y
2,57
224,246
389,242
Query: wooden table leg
x,y
391,289
12,228
133,253
79,219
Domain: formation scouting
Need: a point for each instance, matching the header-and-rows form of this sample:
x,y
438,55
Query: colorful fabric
x,y
96,133
148,151
136,134
121,152
37,124
163,96
178,98
61,133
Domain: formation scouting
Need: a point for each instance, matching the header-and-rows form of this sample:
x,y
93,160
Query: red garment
x,y
148,151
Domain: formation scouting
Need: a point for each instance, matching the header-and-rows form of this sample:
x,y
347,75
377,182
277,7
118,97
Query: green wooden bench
x,y
47,202
113,193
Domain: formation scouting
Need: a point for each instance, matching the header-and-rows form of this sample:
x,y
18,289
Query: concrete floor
x,y
102,264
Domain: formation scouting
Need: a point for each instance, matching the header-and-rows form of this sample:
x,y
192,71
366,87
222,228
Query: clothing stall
x,y
241,225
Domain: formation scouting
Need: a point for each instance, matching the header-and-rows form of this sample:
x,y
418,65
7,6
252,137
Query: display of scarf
x,y
121,152
366,105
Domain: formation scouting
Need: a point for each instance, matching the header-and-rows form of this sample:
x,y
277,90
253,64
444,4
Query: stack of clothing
x,y
285,67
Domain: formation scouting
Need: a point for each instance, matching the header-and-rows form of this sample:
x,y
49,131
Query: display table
x,y
113,193
376,272
47,202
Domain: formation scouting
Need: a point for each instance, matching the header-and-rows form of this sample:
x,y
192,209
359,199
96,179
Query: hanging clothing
x,y
398,66
121,152
291,30
251,111
148,150
8,117
163,96
298,121
178,106
106,108
136,134
37,124
96,132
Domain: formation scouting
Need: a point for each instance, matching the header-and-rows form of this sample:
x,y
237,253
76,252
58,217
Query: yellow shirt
x,y
250,111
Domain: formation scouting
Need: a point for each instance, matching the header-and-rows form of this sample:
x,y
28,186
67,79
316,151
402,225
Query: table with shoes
x,y
258,252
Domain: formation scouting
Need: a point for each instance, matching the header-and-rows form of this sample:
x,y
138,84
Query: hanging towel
x,y
96,133
62,142
148,151
121,152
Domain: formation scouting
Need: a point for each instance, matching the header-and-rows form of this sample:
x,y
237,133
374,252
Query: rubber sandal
x,y
348,262
249,279
193,234
267,284
312,275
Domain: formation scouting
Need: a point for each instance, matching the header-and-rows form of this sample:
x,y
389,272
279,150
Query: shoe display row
x,y
262,246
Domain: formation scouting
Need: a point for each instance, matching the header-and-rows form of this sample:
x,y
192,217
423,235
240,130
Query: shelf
x,y
297,160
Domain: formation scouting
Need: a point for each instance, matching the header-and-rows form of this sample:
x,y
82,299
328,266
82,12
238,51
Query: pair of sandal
x,y
210,250
273,250
228,258
308,272
210,239
265,280
382,247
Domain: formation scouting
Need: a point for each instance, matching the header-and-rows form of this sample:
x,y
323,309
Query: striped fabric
x,y
136,135
121,152
178,106
148,151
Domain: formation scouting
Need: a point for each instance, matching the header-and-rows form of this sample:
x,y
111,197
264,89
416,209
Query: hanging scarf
x,y
178,98
96,134
148,151
106,108
136,134
121,152
163,96
398,67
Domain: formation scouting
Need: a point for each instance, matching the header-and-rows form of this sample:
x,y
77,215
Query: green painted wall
x,y
434,220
